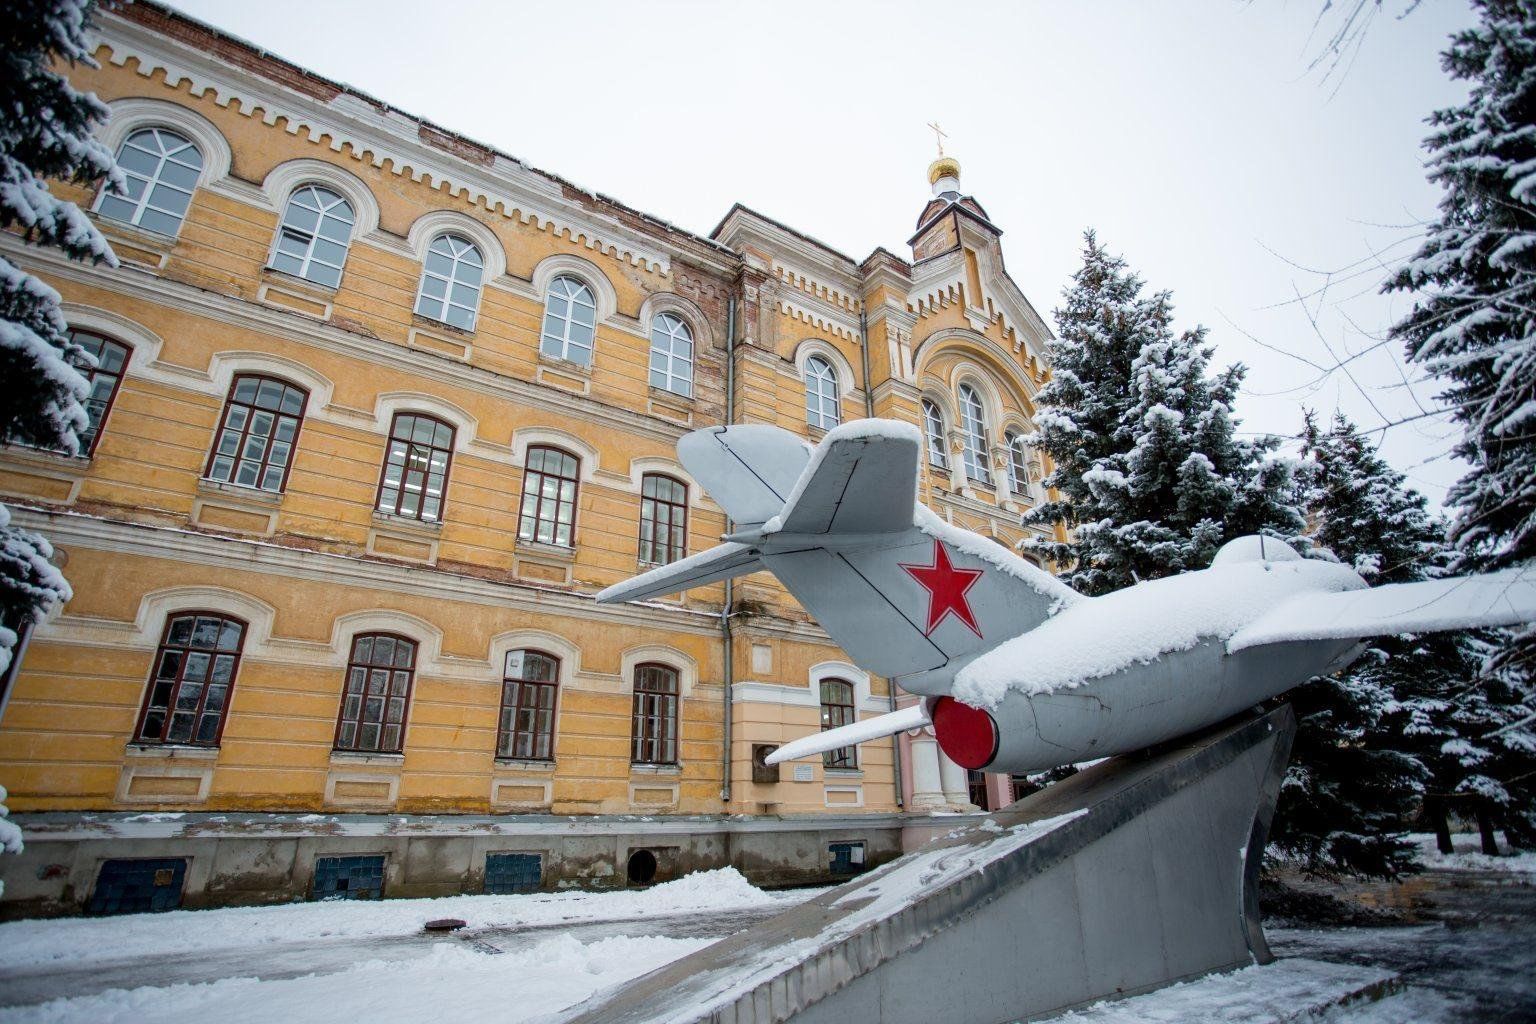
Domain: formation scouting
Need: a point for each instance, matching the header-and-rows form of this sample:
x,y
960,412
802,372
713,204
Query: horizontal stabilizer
x,y
862,479
712,566
749,469
914,717
1462,602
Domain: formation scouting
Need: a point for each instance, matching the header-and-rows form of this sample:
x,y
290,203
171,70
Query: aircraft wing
x,y
1462,602
914,717
861,484
718,563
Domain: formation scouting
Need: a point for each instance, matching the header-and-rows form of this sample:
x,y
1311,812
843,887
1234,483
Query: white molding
x,y
586,454
426,228
224,366
465,426
282,180
145,344
818,347
551,267
131,113
661,654
427,637
684,309
638,468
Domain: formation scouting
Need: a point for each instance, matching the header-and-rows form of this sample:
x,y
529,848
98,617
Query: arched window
x,y
378,689
316,231
973,424
450,282
416,465
548,513
111,362
821,400
655,715
570,321
671,354
529,682
256,437
933,429
663,519
836,710
193,674
1018,464
161,168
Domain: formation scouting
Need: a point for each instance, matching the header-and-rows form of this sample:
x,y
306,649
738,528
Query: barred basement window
x,y
450,282
671,355
529,685
377,694
548,512
190,684
161,170
663,519
655,715
256,438
570,321
933,429
973,423
821,401
111,362
836,710
316,231
416,467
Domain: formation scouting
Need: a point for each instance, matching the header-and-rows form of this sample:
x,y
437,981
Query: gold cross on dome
x,y
939,135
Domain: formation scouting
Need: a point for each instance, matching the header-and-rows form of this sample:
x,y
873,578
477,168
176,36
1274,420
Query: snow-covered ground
x,y
1469,856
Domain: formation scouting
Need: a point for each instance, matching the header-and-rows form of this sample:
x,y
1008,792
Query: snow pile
x,y
1099,636
10,833
1468,856
453,981
199,931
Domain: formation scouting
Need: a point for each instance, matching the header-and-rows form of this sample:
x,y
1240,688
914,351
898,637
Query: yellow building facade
x,y
379,410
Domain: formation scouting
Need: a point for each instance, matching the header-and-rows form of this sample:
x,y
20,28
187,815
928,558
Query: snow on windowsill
x,y
565,365
173,751
655,769
243,492
410,523
315,288
49,457
563,552
432,323
133,233
365,757
526,764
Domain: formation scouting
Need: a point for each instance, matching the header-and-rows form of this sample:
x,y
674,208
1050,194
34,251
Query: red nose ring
x,y
968,735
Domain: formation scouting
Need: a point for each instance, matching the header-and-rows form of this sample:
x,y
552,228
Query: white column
x,y
927,786
957,793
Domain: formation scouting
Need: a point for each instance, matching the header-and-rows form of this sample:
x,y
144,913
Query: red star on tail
x,y
946,588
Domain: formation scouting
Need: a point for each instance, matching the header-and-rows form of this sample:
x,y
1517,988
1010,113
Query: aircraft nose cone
x,y
967,735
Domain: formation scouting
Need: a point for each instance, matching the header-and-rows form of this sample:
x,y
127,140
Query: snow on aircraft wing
x,y
718,563
1463,602
861,484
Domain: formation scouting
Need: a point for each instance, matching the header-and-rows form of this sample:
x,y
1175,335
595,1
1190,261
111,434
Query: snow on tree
x,y
1150,476
1473,325
45,132
1371,750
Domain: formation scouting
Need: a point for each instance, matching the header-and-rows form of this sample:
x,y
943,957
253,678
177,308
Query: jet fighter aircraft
x,y
1018,672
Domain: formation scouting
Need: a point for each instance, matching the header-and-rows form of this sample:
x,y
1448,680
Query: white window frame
x,y
155,181
973,425
563,340
457,250
670,333
934,435
1018,464
823,401
309,260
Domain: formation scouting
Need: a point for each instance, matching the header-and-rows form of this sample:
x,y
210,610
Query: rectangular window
x,y
256,437
655,715
376,694
415,475
846,858
837,710
528,687
191,680
137,886
663,519
548,512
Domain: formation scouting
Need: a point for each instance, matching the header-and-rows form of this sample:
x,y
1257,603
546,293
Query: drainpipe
x,y
869,410
725,612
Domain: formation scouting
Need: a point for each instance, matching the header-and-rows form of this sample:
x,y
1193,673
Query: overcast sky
x,y
1189,133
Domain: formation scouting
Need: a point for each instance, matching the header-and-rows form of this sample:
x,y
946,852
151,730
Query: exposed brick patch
x,y
455,144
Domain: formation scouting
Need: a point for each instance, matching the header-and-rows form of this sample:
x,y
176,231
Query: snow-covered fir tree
x,y
1473,325
1380,741
45,132
1150,474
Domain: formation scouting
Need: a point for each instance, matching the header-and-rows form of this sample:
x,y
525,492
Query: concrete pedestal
x,y
1137,873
